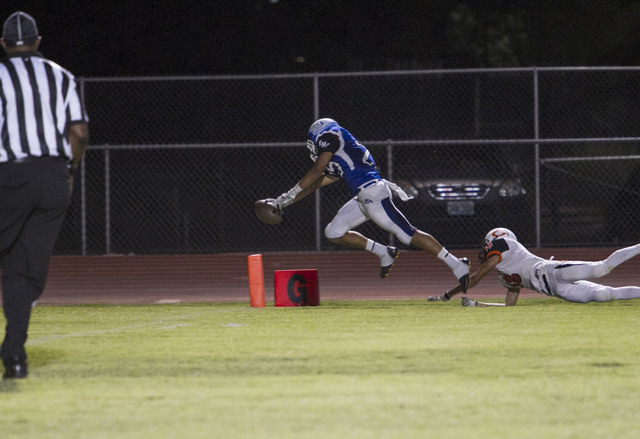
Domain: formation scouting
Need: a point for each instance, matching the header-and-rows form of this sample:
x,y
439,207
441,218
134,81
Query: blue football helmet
x,y
316,128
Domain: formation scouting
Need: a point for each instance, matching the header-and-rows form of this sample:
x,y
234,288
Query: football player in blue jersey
x,y
338,155
518,268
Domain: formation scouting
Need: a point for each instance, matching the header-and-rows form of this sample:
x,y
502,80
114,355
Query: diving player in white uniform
x,y
518,268
338,155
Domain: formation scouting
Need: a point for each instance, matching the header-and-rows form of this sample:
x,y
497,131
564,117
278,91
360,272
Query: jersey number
x,y
335,169
366,158
512,279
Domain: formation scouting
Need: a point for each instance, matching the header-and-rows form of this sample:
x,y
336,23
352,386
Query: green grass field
x,y
370,369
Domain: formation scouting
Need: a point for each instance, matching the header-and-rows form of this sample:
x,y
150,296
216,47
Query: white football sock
x,y
381,251
459,268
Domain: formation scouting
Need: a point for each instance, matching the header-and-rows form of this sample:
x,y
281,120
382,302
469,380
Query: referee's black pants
x,y
34,197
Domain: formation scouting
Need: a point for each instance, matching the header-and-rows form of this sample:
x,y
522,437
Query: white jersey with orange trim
x,y
517,266
567,280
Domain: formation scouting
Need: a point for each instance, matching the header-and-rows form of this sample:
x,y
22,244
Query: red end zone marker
x,y
296,288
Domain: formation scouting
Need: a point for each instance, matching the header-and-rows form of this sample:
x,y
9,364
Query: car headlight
x,y
511,188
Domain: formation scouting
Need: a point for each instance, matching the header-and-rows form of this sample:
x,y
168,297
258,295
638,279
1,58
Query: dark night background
x,y
112,38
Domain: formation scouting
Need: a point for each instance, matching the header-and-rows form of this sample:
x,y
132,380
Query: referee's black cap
x,y
20,29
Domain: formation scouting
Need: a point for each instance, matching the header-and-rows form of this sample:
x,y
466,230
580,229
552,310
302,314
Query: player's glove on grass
x,y
468,302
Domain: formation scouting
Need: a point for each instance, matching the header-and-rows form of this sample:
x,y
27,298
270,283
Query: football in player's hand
x,y
267,211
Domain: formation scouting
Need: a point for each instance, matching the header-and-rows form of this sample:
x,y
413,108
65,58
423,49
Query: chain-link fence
x,y
175,164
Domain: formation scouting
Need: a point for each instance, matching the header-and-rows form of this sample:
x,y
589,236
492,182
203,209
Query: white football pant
x,y
375,203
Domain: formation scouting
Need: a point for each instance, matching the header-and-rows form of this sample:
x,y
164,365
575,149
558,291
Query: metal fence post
x,y
536,135
107,201
83,189
83,207
390,176
318,208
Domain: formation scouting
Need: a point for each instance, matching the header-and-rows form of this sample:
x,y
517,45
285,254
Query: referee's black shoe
x,y
15,367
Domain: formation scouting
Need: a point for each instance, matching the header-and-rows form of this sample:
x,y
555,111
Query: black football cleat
x,y
393,253
15,367
464,280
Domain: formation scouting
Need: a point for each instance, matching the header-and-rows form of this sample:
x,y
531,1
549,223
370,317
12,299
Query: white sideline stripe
x,y
48,338
161,301
175,326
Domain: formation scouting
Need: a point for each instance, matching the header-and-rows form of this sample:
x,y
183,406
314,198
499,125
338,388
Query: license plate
x,y
460,208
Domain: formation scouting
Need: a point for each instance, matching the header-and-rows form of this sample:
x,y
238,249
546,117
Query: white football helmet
x,y
500,232
317,127
487,244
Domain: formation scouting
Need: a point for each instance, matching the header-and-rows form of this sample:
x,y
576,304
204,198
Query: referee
x,y
43,136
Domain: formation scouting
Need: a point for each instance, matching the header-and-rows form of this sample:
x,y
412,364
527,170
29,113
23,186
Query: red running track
x,y
349,275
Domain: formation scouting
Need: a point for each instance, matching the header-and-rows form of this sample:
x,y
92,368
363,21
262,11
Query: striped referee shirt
x,y
38,101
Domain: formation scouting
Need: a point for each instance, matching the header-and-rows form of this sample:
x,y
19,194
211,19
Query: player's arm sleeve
x,y
499,246
328,142
74,102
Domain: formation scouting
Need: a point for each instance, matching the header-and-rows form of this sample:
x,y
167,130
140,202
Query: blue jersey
x,y
351,160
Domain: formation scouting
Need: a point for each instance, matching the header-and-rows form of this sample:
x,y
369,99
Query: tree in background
x,y
495,39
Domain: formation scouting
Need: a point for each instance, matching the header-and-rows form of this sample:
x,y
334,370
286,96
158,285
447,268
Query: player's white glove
x,y
287,198
468,302
283,201
274,202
